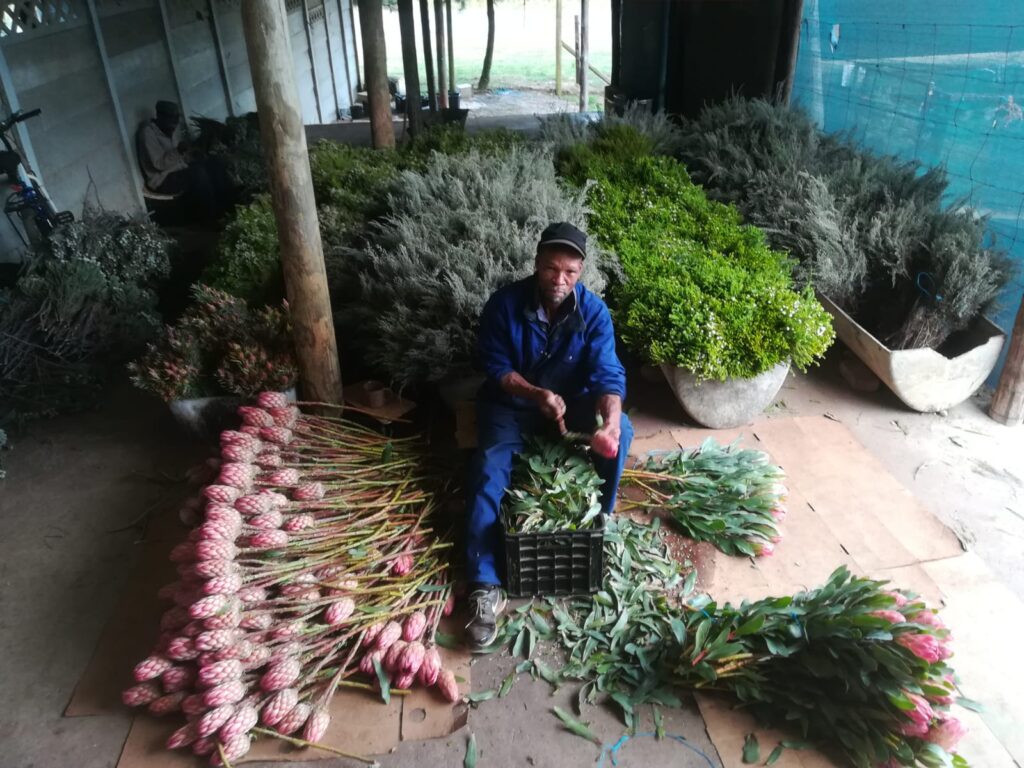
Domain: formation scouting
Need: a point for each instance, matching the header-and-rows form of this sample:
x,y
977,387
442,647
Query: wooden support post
x,y
428,56
344,55
355,44
558,47
407,23
451,46
371,23
442,74
584,53
1008,402
222,63
789,48
312,60
590,66
576,49
330,64
283,137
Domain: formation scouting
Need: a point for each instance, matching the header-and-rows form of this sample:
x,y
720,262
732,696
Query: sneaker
x,y
485,605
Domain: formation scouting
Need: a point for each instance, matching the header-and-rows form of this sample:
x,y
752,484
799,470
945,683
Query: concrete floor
x,y
77,485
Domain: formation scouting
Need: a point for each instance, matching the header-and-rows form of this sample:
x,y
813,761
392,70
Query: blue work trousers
x,y
500,432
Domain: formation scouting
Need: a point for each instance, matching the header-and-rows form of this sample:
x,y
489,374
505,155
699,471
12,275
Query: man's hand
x,y
550,404
605,441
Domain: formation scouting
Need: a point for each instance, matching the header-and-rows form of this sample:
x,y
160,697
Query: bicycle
x,y
28,198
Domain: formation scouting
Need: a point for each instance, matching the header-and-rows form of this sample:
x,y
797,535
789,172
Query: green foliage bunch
x,y
554,487
464,226
85,302
566,130
236,142
220,346
248,262
874,233
702,291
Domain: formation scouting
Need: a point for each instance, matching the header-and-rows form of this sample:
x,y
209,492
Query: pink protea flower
x,y
193,705
925,647
922,712
298,523
269,460
430,668
898,598
220,672
277,500
893,617
285,417
286,651
279,705
256,621
371,632
412,658
252,594
405,680
237,452
269,540
255,416
402,564
142,694
186,595
232,437
204,746
413,626
289,630
366,662
911,728
249,429
216,640
231,692
259,656
288,478
240,723
309,492
224,494
208,606
928,619
947,733
393,656
448,686
237,475
183,553
272,400
449,606
339,611
166,704
267,521
151,667
254,504
177,679
391,632
762,548
215,529
223,585
280,675
294,720
240,650
211,721
223,513
193,629
181,649
234,749
778,513
277,435
216,549
182,737
316,726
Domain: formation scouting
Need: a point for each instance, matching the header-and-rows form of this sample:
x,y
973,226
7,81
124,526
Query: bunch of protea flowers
x,y
314,566
852,665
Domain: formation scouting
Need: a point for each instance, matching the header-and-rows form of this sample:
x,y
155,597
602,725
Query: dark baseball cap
x,y
564,233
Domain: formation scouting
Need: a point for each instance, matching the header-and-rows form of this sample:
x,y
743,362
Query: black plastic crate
x,y
548,564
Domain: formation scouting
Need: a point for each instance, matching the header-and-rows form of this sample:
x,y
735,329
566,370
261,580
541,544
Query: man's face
x,y
558,271
167,124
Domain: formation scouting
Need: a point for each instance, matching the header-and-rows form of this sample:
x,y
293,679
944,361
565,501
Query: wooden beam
x,y
442,74
283,137
344,55
1008,402
330,64
590,66
312,60
584,53
558,47
371,24
222,63
428,56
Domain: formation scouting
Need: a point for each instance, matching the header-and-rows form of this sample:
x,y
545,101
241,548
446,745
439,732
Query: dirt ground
x,y
78,489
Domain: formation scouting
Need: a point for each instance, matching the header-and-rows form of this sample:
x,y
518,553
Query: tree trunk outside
x,y
265,24
485,74
407,22
428,56
442,69
371,23
451,45
1008,402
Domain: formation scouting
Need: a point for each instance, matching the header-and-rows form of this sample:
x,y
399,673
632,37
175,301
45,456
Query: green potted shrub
x,y
704,297
220,353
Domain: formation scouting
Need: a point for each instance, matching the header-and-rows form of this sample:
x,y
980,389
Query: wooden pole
x,y
451,46
355,44
590,66
311,55
442,74
407,23
428,56
558,47
1008,402
584,52
375,60
576,49
291,189
791,47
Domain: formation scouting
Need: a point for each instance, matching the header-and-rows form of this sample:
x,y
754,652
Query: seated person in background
x,y
171,169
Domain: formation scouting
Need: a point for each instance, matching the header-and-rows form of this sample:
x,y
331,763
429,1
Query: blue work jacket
x,y
573,355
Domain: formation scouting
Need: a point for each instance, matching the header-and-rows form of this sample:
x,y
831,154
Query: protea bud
x,y
223,513
216,549
182,737
216,639
430,668
269,460
337,612
220,672
284,417
366,662
214,567
288,630
257,621
371,632
288,478
391,632
255,416
316,726
253,504
177,679
237,475
279,705
142,694
268,521
402,564
223,494
174,618
211,721
278,435
204,746
270,400
294,720
208,606
277,500
250,429
240,723
232,750
269,540
393,655
298,523
449,606
181,649
193,629
309,492
413,626
280,675
223,585
241,650
447,685
151,667
412,658
404,681
229,618
185,552
259,656
170,702
230,692
237,452
184,595
253,594
193,705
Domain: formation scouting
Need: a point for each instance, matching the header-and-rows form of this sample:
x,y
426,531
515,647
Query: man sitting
x,y
169,168
548,349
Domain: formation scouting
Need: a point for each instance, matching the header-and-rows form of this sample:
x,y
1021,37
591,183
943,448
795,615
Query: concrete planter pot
x,y
925,379
725,404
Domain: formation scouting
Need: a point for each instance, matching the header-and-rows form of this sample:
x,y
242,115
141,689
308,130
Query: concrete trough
x,y
925,379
